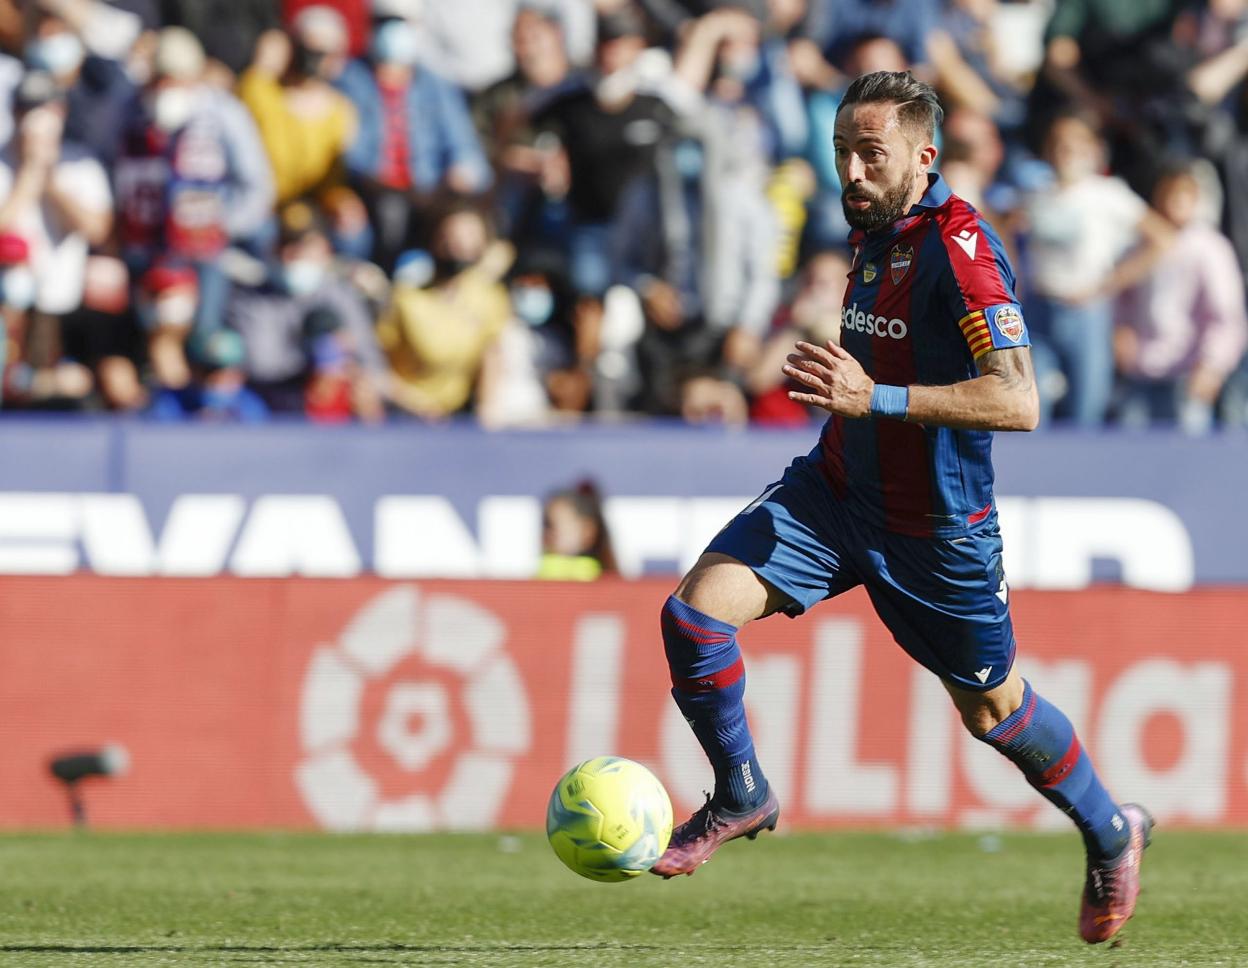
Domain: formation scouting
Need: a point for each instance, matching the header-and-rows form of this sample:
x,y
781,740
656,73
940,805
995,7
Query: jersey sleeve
x,y
980,289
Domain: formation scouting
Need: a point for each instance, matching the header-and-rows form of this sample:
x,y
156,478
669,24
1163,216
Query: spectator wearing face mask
x,y
53,195
609,130
736,235
108,28
437,335
193,178
537,372
416,135
97,90
282,319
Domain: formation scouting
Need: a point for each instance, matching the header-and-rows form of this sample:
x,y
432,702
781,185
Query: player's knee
x,y
979,720
982,712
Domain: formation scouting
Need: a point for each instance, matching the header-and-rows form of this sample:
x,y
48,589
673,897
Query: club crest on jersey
x,y
1009,323
869,272
899,262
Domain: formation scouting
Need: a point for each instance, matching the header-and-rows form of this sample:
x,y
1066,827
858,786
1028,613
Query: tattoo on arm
x,y
1013,370
1012,366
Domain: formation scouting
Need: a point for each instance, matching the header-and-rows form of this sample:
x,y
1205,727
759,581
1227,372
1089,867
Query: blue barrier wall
x,y
1199,483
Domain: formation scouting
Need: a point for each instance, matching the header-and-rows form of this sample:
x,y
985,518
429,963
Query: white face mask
x,y
177,309
394,42
59,54
302,277
740,68
17,288
172,107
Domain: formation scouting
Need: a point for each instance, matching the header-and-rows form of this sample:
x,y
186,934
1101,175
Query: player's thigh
x,y
946,603
728,590
781,553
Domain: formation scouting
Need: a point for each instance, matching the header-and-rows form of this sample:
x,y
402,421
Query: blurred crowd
x,y
539,211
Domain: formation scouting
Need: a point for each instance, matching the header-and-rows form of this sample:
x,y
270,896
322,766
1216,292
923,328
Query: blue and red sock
x,y
708,684
1041,741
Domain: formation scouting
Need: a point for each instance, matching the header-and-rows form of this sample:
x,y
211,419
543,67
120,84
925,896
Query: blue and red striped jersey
x,y
926,298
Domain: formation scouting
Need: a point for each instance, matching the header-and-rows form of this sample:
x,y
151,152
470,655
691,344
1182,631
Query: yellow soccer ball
x,y
609,819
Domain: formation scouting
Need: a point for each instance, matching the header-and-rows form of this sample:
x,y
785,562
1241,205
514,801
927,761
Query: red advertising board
x,y
364,704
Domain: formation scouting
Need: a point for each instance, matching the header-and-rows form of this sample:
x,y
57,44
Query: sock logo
x,y
748,776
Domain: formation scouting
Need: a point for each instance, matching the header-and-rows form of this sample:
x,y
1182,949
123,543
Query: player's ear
x,y
927,157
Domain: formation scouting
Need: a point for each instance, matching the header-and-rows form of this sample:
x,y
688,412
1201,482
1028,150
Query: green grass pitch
x,y
484,900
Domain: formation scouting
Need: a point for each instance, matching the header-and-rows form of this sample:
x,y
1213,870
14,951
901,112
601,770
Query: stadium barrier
x,y
363,704
121,498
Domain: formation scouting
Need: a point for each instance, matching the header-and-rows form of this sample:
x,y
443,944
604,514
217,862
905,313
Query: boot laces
x,y
704,821
1103,881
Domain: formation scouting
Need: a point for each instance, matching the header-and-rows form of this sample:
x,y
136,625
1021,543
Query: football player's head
x,y
885,127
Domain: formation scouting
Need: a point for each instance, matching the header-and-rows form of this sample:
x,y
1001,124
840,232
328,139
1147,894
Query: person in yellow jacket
x,y
436,336
306,125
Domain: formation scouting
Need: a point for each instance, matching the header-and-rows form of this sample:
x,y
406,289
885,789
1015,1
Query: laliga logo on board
x,y
385,710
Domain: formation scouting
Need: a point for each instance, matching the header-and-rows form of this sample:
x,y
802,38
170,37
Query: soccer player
x,y
897,497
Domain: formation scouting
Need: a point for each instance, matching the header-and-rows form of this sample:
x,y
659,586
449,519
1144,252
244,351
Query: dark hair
x,y
1077,113
918,107
1175,166
586,500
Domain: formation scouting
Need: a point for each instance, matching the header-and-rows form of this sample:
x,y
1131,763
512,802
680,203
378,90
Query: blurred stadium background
x,y
371,367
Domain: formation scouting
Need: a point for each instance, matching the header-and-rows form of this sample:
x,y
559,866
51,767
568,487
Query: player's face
x,y
879,164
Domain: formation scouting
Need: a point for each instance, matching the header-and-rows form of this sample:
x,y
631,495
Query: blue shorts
x,y
944,600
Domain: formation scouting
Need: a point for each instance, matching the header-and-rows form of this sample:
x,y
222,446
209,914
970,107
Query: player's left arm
x,y
1002,397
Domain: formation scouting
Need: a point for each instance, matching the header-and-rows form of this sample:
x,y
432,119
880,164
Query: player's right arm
x,y
1002,397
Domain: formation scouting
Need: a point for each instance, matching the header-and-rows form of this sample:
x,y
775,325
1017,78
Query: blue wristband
x,y
887,401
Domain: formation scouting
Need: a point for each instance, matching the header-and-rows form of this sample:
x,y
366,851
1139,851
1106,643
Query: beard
x,y
884,209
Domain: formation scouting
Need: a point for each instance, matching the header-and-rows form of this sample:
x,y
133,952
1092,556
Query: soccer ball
x,y
609,819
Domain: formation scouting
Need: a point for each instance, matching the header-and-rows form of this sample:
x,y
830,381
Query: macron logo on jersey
x,y
854,318
967,242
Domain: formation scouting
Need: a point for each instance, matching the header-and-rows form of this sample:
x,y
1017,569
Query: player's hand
x,y
833,380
